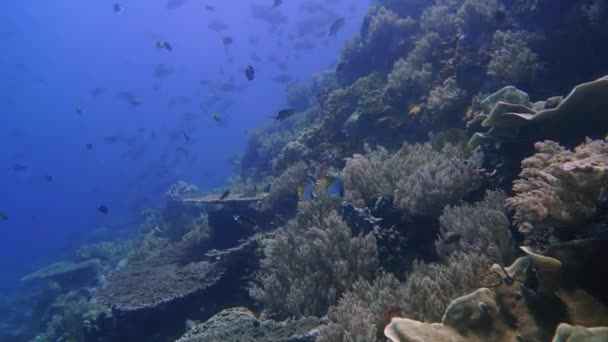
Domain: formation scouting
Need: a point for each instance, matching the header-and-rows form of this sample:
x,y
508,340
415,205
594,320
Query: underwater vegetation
x,y
466,211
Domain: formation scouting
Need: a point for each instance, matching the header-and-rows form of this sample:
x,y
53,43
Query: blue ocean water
x,y
77,72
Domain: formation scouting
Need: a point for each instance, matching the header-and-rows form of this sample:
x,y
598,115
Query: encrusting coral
x,y
510,117
560,187
311,261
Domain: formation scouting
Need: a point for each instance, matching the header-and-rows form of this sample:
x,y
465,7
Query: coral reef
x,y
527,301
481,228
240,324
513,62
580,114
421,180
284,188
173,285
362,312
560,187
311,261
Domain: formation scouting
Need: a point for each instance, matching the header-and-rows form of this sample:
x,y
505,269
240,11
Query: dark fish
x,y
245,220
173,4
110,139
161,44
79,110
48,178
250,73
336,26
210,8
217,118
3,216
103,209
117,8
224,195
130,98
284,114
227,40
19,167
89,146
277,3
186,136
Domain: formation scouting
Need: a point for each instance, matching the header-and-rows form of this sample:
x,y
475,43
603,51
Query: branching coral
x,y
411,77
560,187
482,228
362,312
421,179
365,177
512,60
384,37
311,261
293,152
479,16
435,184
445,104
284,188
441,19
433,286
358,316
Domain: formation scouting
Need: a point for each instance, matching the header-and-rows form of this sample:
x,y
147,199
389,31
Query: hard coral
x,y
560,187
312,260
